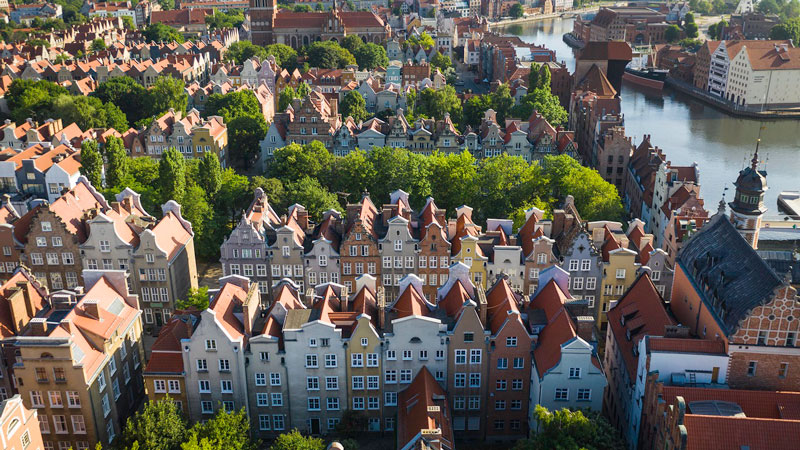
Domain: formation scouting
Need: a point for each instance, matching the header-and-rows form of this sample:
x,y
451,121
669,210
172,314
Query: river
x,y
689,131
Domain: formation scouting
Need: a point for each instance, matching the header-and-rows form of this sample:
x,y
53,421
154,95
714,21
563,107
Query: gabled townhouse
x,y
505,257
655,261
322,261
620,267
346,137
313,339
364,368
316,118
462,306
398,247
286,251
19,426
274,139
567,371
214,354
424,418
360,251
164,263
673,187
21,299
434,249
639,313
49,236
39,171
415,341
164,375
372,134
191,135
268,374
247,243
464,246
509,365
79,362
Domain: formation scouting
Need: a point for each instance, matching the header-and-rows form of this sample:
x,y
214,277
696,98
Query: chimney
x,y
91,308
302,218
345,296
38,326
25,287
309,298
482,304
381,307
585,328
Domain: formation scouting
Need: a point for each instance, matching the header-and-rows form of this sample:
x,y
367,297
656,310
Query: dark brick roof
x,y
728,270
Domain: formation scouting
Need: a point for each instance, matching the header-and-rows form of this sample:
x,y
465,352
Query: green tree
x,y
452,179
474,109
790,10
244,134
209,173
127,22
285,56
92,163
88,112
293,162
232,105
172,176
543,101
399,169
436,102
354,174
241,51
220,19
287,95
310,193
301,8
672,33
195,208
127,94
689,17
117,162
516,11
38,43
441,61
328,55
293,440
354,105
98,45
570,430
352,42
226,431
533,76
197,299
166,4
789,29
595,198
158,426
502,102
503,183
716,30
370,56
32,99
273,188
158,32
691,30
424,40
768,7
544,77
303,90
167,92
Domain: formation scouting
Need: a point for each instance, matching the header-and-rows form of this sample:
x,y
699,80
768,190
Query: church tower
x,y
262,18
747,207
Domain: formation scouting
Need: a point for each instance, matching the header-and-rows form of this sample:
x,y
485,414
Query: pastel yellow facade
x,y
471,255
619,274
364,385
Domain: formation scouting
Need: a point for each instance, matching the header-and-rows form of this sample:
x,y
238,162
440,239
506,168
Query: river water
x,y
689,131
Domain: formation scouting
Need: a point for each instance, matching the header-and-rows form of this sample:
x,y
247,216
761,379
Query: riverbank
x,y
728,107
537,17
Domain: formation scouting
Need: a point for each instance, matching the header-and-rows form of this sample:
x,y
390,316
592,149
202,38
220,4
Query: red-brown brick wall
x,y
767,376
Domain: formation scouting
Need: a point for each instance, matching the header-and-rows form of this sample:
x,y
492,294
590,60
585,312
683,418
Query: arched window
x,y
12,427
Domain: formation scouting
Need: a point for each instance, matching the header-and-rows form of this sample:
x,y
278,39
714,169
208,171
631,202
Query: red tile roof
x,y
226,300
734,433
171,235
422,406
638,313
166,356
35,291
455,299
550,298
555,334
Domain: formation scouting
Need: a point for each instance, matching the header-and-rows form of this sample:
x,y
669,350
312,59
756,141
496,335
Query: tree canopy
x,y
293,440
789,29
328,55
354,105
158,32
370,56
570,430
127,94
424,40
516,11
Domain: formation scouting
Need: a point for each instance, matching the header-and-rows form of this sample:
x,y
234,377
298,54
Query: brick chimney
x,y
585,326
309,298
345,298
381,307
482,304
91,308
38,327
